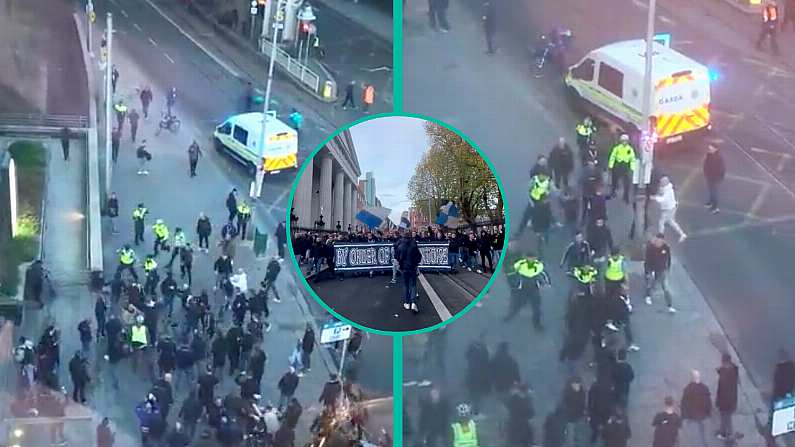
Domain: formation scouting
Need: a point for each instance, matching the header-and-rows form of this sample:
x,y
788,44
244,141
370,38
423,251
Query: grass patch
x,y
30,158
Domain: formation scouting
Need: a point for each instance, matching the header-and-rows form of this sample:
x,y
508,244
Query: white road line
x,y
152,41
138,27
169,58
441,309
195,42
124,13
758,201
281,197
763,168
667,20
640,4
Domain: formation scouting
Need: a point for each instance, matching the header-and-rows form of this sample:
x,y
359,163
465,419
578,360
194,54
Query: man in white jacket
x,y
667,200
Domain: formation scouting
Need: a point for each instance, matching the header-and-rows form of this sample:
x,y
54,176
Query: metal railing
x,y
43,120
289,63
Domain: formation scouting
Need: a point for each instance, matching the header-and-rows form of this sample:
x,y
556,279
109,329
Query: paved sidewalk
x,y
372,17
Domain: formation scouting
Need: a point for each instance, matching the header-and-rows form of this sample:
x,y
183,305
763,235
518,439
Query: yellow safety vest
x,y
584,130
149,265
120,107
243,209
465,438
622,153
527,268
139,213
615,268
585,274
179,239
539,187
127,257
161,231
138,335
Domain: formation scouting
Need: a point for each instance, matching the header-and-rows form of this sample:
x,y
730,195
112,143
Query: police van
x,y
608,82
239,136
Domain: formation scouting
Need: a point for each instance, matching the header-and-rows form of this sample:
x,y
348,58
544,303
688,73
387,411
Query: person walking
x,y
368,96
203,229
526,281
667,200
489,19
573,408
622,374
434,418
143,158
281,239
616,431
100,313
349,96
769,26
186,263
105,435
600,405
194,152
622,164
726,395
307,347
112,211
561,161
133,117
231,204
657,264
714,172
409,257
243,218
79,374
65,135
287,386
330,395
437,15
115,142
146,99
114,78
696,406
666,425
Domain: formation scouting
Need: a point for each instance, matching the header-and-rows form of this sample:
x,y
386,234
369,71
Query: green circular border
x,y
317,298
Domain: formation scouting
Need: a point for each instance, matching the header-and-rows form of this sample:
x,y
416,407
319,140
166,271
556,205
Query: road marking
x,y
441,309
195,42
700,206
279,199
124,13
691,177
665,19
152,41
740,226
728,174
782,163
758,201
138,27
768,152
640,4
764,169
169,58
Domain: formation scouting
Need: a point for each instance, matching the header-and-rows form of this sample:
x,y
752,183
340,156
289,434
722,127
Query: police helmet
x,y
624,137
464,410
159,221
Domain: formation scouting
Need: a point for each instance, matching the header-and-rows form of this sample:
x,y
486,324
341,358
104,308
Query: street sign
x,y
335,331
783,416
663,39
253,11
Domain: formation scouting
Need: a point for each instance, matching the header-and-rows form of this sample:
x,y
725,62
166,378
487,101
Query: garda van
x,y
239,136
608,81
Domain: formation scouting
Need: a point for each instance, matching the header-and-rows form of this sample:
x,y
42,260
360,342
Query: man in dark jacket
x,y
256,363
726,395
409,257
696,407
666,425
167,359
714,172
623,375
307,347
204,228
435,418
79,373
287,386
190,413
573,410
292,413
600,405
561,160
65,135
331,393
505,369
231,204
269,283
616,432
207,383
519,431
657,263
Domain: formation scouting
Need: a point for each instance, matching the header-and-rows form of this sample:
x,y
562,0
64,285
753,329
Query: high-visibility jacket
x,y
243,209
465,437
138,335
585,130
120,107
585,274
127,257
528,268
149,265
622,153
161,231
539,187
179,239
139,213
770,14
615,268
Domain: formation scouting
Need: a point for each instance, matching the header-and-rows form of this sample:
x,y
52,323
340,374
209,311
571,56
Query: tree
x,y
452,170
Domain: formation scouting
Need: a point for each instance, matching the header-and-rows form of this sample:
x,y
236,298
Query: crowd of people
x,y
205,357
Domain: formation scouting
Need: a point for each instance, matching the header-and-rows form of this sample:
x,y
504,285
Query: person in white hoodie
x,y
667,200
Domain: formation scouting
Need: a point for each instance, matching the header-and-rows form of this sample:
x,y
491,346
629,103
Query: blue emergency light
x,y
663,39
714,74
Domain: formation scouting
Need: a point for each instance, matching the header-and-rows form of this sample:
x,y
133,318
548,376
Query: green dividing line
x,y
397,56
397,390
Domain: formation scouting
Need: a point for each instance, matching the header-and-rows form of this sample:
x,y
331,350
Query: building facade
x,y
328,186
369,189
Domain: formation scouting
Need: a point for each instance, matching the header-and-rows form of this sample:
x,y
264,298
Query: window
x,y
241,135
584,71
611,80
226,129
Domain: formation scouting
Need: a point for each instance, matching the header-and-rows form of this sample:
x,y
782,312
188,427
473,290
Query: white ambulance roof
x,y
253,123
629,57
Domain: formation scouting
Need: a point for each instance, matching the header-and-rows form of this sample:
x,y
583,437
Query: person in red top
x,y
770,18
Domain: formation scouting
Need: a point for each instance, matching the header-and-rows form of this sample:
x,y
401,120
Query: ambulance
x,y
608,82
239,136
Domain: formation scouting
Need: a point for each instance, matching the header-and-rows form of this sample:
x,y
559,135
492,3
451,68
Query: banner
x,y
378,256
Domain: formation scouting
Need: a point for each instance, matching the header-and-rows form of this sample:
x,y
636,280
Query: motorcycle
x,y
552,48
170,122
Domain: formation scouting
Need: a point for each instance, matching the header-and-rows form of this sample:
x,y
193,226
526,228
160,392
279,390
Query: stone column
x,y
346,205
303,197
339,187
326,166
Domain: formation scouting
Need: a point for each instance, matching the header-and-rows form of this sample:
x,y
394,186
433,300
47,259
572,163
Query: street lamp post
x,y
108,101
648,132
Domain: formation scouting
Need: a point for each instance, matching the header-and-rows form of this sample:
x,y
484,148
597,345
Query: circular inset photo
x,y
397,224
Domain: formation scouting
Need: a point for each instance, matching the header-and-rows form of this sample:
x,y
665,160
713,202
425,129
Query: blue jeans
x,y
410,286
452,260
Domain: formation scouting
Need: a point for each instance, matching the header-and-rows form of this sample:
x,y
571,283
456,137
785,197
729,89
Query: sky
x,y
391,147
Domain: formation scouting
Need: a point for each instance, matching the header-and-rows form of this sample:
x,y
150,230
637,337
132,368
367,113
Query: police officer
x,y
150,270
127,261
527,278
243,217
538,191
465,433
585,131
622,164
769,26
139,339
121,114
614,272
179,241
139,214
584,278
161,236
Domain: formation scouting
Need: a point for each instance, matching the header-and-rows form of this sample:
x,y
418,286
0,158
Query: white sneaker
x,y
633,348
648,300
394,281
146,172
480,272
140,172
268,328
610,325
469,268
671,310
406,306
682,237
414,308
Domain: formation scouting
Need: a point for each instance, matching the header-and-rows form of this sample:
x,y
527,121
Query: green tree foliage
x,y
453,170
